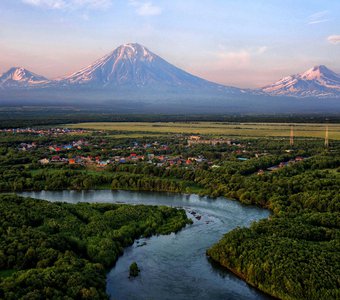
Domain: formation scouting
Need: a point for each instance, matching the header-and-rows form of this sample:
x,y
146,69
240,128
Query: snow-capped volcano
x,y
318,81
129,68
125,65
133,65
18,77
133,73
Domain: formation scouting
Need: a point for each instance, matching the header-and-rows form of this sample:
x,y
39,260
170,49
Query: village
x,y
84,152
46,131
57,155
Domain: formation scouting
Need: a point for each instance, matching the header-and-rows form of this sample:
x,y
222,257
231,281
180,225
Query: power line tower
x,y
326,137
291,141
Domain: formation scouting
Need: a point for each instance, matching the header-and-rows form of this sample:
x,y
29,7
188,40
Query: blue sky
x,y
247,43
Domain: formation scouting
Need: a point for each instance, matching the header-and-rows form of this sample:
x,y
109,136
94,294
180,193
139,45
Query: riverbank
x,y
295,257
174,264
290,191
303,194
64,250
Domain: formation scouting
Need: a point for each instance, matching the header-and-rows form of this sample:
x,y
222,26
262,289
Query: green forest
x,y
63,251
290,257
295,254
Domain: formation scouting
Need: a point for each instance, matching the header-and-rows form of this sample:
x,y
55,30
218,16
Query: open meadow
x,y
135,129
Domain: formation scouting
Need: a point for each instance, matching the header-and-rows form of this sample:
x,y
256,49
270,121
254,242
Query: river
x,y
174,266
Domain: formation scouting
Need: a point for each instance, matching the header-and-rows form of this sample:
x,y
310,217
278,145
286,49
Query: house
x,y
215,166
260,172
55,158
133,156
44,161
193,140
79,160
161,158
194,137
103,163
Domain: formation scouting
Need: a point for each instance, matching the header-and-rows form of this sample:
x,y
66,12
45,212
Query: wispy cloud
x,y
319,17
334,39
260,50
69,4
239,58
145,8
54,4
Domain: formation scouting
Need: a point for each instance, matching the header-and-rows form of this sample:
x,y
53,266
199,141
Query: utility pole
x,y
326,138
291,142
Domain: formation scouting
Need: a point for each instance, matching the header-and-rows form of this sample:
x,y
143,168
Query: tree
x,y
134,270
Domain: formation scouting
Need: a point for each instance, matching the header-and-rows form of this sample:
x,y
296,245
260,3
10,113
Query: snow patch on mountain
x,y
18,77
318,81
134,68
134,65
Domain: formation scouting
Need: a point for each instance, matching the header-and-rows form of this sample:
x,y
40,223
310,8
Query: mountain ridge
x,y
130,66
134,68
17,77
318,81
133,65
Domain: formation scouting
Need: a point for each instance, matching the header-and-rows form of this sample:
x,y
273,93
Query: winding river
x,y
174,266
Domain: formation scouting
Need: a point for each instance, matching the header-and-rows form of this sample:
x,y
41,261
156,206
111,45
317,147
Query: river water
x,y
174,266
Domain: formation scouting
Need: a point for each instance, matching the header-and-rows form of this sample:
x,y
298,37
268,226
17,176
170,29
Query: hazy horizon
x,y
248,44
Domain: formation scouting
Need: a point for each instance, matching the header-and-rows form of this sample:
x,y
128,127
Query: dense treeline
x,y
287,257
296,253
142,183
293,255
22,180
14,118
19,179
311,184
62,251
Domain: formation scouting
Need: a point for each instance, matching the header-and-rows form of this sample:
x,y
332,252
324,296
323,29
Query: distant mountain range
x,y
18,77
130,66
134,67
133,79
318,81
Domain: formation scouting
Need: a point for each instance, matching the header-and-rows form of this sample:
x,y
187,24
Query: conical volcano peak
x,y
135,47
19,73
317,72
133,51
19,76
133,65
318,81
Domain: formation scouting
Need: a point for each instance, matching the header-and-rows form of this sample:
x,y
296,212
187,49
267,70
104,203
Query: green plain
x,y
139,129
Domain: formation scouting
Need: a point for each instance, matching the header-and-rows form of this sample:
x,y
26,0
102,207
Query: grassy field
x,y
134,129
